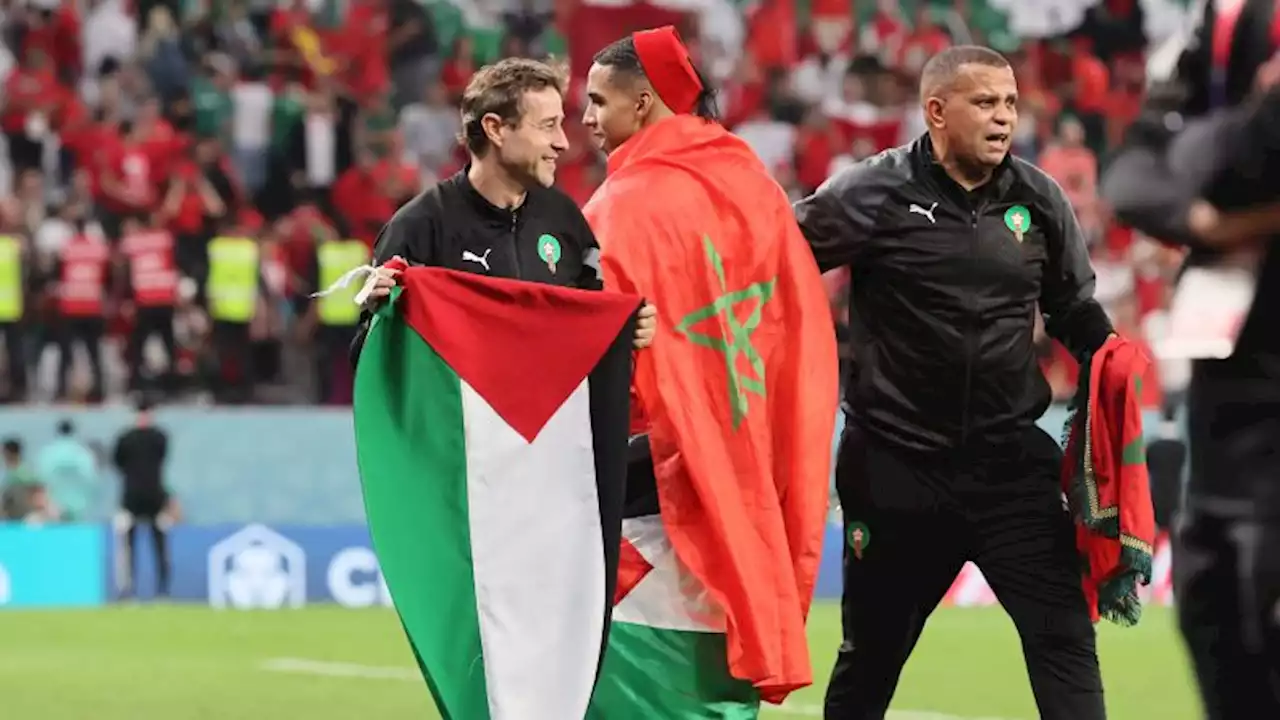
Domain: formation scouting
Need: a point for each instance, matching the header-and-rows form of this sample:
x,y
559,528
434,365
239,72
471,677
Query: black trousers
x,y
1226,574
233,346
331,344
149,512
911,522
24,153
14,336
149,321
86,331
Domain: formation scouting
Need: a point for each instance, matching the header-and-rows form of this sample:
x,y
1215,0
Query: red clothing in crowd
x,y
457,72
923,43
27,91
58,39
359,41
815,148
362,207
188,218
153,276
301,230
283,22
83,280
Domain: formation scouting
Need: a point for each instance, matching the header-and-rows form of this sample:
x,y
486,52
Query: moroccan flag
x,y
1105,479
739,395
490,421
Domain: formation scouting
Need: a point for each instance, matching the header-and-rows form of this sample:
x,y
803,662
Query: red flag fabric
x,y
1105,479
739,389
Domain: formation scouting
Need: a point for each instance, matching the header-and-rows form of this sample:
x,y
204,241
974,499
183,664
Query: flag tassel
x,y
346,279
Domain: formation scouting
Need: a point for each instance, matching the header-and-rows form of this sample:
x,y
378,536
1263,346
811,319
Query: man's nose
x,y
560,142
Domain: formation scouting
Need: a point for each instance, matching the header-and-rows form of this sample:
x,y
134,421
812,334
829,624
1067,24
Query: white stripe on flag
x,y
668,597
537,557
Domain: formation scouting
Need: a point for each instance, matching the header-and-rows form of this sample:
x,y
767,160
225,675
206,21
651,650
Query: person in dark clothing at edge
x,y
500,216
1166,464
140,455
1200,167
951,243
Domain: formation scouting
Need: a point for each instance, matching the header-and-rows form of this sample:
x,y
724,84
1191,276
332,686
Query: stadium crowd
x,y
176,178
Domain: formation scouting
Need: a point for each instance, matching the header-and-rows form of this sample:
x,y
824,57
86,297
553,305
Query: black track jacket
x,y
945,284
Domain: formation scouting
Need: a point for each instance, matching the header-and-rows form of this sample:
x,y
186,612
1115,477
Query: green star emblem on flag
x,y
734,341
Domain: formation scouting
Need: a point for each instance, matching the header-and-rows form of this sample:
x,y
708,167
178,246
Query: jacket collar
x,y
480,202
1001,179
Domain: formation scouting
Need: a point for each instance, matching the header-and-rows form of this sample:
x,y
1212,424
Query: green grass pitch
x,y
171,662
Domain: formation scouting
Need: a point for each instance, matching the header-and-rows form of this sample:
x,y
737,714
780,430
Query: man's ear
x,y
645,100
492,125
933,108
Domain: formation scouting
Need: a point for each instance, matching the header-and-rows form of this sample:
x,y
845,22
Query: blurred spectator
x,y
250,136
40,507
1074,166
149,278
32,98
15,281
234,285
80,321
431,126
411,47
16,471
18,484
68,470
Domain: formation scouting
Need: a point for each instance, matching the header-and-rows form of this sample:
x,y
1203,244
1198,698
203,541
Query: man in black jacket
x,y
1201,168
951,244
500,216
139,456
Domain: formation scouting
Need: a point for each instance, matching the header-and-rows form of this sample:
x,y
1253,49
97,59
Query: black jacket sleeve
x,y
839,217
1071,314
1249,171
1155,176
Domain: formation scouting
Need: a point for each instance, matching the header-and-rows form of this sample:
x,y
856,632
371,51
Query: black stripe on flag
x,y
610,386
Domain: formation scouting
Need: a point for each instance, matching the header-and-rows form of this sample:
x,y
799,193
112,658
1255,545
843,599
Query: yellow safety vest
x,y
232,287
336,257
10,279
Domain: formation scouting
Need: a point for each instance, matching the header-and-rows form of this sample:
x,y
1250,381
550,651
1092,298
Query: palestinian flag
x,y
491,436
668,656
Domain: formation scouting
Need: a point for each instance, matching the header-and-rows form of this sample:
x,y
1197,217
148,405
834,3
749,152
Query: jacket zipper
x,y
515,241
969,342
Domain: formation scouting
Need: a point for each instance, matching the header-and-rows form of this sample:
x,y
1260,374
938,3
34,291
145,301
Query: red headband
x,y
666,63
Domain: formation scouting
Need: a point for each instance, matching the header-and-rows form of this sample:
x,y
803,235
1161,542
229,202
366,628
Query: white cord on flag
x,y
346,279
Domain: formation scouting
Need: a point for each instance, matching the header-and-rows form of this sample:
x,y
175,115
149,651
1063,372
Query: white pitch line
x,y
299,666
303,666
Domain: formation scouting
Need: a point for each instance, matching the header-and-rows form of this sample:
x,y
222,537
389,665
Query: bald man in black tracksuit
x,y
952,243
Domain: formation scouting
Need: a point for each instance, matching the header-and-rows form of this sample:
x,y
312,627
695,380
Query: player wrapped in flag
x,y
491,435
739,398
